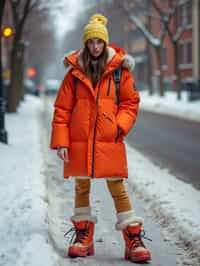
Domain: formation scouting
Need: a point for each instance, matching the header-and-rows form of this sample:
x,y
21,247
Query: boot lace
x,y
80,234
136,238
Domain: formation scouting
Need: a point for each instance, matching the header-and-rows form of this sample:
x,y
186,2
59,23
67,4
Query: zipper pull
x,y
108,116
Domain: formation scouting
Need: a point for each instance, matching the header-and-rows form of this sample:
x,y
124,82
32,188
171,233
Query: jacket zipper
x,y
108,90
94,136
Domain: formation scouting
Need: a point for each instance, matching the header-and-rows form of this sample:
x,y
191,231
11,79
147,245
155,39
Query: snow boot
x,y
131,227
135,249
83,229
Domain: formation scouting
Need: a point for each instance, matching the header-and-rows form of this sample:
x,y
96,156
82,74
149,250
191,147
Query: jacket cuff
x,y
59,137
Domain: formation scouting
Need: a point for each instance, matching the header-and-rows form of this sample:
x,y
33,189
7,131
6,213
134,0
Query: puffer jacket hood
x,y
116,55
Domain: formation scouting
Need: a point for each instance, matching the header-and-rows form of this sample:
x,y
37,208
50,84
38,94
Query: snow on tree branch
x,y
153,40
178,33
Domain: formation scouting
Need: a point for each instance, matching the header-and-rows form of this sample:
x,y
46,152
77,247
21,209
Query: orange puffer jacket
x,y
87,123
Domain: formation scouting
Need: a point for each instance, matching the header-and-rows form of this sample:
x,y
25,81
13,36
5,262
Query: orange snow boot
x,y
135,249
83,244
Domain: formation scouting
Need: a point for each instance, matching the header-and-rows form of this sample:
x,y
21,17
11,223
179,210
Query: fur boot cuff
x,y
84,217
127,218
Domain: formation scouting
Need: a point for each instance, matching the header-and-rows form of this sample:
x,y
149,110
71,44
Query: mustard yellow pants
x,y
116,189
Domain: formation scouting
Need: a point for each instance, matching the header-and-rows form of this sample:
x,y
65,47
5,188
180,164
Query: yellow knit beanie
x,y
96,28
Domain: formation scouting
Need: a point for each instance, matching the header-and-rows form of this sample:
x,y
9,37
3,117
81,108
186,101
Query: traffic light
x,y
31,72
7,32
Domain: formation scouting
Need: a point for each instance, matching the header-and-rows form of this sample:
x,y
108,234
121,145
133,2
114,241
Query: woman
x,y
91,119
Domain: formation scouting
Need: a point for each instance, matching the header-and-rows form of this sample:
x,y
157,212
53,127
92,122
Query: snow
x,y
176,203
169,105
23,229
32,222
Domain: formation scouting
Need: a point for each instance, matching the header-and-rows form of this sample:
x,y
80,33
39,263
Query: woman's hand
x,y
62,153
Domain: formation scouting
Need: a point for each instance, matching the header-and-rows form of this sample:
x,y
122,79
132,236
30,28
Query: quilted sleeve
x,y
128,102
63,107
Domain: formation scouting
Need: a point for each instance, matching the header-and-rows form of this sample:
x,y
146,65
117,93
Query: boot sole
x,y
139,259
76,253
79,254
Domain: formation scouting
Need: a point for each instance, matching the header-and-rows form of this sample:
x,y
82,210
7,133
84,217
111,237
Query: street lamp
x,y
6,32
3,133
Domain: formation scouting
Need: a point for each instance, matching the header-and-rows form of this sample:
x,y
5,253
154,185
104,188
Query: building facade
x,y
136,45
186,22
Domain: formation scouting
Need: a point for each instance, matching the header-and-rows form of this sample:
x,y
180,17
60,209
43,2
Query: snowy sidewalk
x,y
23,226
29,214
169,105
109,245
174,204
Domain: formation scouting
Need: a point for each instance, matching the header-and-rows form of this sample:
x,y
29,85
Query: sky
x,y
65,20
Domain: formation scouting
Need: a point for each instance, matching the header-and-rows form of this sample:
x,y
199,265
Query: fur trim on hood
x,y
128,60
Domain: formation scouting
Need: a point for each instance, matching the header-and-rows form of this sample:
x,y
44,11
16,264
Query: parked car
x,y
30,87
52,86
193,88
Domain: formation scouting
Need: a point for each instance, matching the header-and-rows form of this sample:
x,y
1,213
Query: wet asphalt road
x,y
169,142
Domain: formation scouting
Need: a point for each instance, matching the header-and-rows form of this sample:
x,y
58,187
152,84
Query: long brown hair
x,y
93,75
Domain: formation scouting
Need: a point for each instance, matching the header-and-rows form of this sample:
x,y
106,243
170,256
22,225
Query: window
x,y
185,53
188,11
184,14
180,15
189,52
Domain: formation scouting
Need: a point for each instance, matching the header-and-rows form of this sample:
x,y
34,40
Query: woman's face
x,y
95,46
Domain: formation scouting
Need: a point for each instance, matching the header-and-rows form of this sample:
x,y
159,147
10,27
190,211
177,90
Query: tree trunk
x,y
177,71
149,69
12,90
21,72
149,60
14,94
15,83
161,84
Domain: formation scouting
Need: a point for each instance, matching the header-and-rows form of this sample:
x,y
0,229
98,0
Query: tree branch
x,y
149,36
133,18
178,33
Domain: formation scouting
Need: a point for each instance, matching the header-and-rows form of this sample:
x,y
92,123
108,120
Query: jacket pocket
x,y
111,125
113,120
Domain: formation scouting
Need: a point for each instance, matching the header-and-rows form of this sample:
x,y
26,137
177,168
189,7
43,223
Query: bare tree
x,y
131,8
165,18
174,33
21,11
